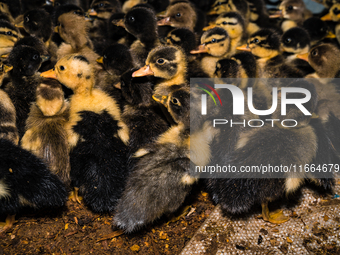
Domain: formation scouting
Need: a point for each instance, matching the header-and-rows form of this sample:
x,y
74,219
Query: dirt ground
x,y
76,230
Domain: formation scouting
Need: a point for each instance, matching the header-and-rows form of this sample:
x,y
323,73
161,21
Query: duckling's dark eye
x,y
178,15
9,33
288,40
315,53
27,19
175,101
131,19
35,56
160,61
213,40
104,56
101,5
61,68
255,40
218,3
290,7
224,22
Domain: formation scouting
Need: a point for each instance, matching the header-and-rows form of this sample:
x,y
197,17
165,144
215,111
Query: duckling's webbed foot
x,y
4,226
74,196
276,217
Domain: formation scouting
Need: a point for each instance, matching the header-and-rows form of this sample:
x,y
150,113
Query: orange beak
x,y
164,22
200,49
212,12
20,25
327,17
119,23
276,15
209,27
144,71
303,56
92,12
49,74
100,60
330,35
244,47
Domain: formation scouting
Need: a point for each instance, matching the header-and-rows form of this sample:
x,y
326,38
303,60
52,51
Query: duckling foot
x,y
4,226
276,217
74,196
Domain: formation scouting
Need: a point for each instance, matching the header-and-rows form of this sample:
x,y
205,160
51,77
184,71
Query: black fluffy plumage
x,y
98,162
27,181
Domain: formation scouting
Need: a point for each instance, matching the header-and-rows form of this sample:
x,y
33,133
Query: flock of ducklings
x,y
95,102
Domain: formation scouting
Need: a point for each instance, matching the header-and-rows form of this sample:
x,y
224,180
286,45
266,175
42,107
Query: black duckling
x,y
141,23
259,17
183,14
240,65
116,60
216,43
265,146
38,23
293,42
160,180
97,169
8,36
169,64
317,30
101,11
265,46
24,80
26,181
234,24
45,134
141,112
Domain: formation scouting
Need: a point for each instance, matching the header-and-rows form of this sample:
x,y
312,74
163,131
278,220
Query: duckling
x,y
101,11
116,60
167,63
73,29
216,43
97,169
141,23
8,37
186,39
222,6
334,15
11,8
324,60
45,134
38,23
317,30
293,42
265,46
239,194
141,112
26,181
164,163
241,65
8,128
233,23
182,14
293,12
24,80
